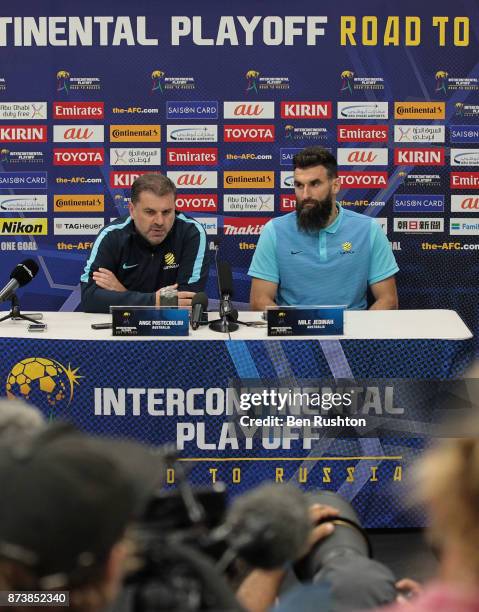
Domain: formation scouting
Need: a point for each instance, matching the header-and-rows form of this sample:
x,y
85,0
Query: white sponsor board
x,y
363,110
135,156
77,225
192,133
78,133
23,203
464,157
419,133
210,224
468,203
287,179
248,110
463,227
419,225
235,202
194,180
362,156
22,111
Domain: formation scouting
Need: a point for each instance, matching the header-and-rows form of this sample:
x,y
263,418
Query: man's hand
x,y
107,280
184,297
407,588
257,593
317,513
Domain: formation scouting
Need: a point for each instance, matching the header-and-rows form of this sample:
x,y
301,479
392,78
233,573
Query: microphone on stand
x,y
199,305
21,274
228,314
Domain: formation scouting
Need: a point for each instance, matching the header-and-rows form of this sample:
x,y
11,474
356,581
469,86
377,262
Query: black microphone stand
x,y
15,311
226,322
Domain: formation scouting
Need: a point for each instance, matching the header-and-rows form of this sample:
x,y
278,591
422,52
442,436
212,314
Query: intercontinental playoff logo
x,y
4,155
347,81
441,81
157,77
252,80
44,382
63,81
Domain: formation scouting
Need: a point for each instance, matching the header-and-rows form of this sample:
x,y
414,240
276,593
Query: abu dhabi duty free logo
x,y
45,382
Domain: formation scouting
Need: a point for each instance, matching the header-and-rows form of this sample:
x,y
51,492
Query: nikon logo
x,y
24,227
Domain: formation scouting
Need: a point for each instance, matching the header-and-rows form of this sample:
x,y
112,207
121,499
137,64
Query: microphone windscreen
x,y
225,278
200,298
270,525
25,271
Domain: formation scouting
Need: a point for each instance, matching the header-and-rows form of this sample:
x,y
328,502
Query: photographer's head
x,y
18,419
65,502
448,483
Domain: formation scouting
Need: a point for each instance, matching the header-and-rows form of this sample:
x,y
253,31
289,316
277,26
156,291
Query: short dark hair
x,y
159,184
316,156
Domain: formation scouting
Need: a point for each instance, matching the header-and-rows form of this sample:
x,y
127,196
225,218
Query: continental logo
x,y
347,247
419,110
135,133
169,259
24,227
248,180
79,203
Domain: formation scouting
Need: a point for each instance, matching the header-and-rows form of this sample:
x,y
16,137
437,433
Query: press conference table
x,y
150,389
358,325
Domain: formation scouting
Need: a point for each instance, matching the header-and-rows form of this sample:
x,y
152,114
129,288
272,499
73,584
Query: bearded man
x,y
322,254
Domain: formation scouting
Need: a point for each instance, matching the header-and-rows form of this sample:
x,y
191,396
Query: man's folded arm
x,y
96,299
104,254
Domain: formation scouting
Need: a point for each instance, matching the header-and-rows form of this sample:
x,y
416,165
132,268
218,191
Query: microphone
x,y
269,526
228,314
225,283
199,305
21,274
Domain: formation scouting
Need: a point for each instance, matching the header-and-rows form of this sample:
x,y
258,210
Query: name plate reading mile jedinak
x,y
305,321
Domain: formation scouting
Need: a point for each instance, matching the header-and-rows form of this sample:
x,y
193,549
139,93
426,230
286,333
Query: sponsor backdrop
x,y
90,99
